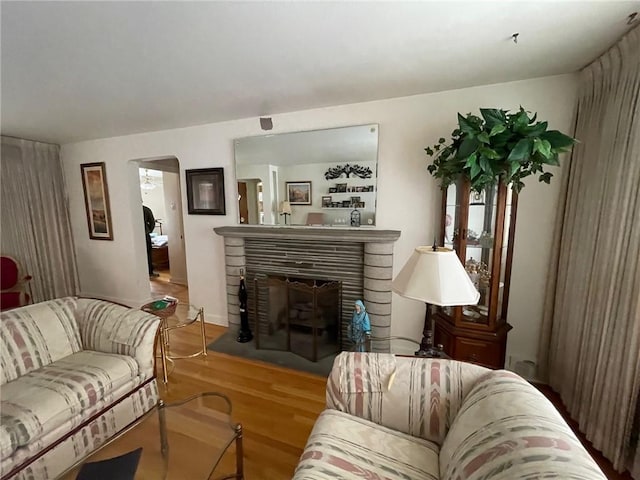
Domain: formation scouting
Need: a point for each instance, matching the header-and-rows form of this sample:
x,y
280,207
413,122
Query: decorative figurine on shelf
x,y
486,239
360,326
355,218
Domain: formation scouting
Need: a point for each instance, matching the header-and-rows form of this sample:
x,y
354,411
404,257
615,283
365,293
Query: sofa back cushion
x,y
112,328
507,429
417,396
37,335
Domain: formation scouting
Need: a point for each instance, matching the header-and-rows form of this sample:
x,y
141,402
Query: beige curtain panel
x,y
35,225
590,345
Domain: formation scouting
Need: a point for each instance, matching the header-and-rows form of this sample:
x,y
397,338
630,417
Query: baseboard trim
x,y
216,319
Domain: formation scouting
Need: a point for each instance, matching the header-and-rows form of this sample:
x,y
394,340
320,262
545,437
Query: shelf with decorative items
x,y
354,201
481,170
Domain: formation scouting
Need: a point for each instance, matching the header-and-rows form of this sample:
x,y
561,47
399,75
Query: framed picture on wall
x,y
96,198
299,193
205,191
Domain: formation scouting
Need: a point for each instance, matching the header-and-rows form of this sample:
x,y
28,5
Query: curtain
x,y
590,343
36,229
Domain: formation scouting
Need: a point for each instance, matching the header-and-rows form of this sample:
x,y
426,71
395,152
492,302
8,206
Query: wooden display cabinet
x,y
480,228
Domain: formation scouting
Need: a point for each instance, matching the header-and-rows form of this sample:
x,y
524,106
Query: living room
x,y
414,97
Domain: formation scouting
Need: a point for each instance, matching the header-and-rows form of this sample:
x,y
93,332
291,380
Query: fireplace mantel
x,y
304,251
333,234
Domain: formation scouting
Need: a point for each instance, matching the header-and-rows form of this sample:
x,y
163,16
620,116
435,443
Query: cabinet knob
x,y
473,357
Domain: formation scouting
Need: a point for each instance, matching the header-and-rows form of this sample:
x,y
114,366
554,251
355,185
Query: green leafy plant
x,y
498,146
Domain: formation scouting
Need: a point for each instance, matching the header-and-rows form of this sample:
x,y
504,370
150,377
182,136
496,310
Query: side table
x,y
173,318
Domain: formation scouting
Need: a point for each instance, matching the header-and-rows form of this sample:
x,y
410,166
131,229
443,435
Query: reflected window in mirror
x,y
329,173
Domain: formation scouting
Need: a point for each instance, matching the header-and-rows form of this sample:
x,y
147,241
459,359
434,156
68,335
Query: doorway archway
x,y
160,190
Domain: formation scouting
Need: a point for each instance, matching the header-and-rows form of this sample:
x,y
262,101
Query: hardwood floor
x,y
276,406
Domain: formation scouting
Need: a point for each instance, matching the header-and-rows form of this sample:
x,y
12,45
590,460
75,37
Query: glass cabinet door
x,y
478,227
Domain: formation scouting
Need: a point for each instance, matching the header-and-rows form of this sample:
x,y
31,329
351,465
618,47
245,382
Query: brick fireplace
x,y
361,259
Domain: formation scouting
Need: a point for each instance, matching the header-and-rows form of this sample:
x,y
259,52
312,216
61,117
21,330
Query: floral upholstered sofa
x,y
74,372
412,418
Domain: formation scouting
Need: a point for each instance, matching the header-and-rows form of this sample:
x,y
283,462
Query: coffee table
x,y
193,439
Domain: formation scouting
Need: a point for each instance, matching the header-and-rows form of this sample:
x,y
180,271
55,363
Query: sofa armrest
x,y
112,328
417,396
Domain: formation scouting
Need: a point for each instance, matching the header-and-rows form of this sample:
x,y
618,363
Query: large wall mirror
x,y
317,177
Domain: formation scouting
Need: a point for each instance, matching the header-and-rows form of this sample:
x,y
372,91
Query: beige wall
x,y
408,198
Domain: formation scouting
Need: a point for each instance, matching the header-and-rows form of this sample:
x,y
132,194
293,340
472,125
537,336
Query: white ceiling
x,y
80,70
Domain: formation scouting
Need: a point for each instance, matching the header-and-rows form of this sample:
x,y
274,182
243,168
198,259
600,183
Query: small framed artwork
x,y
205,191
96,198
299,193
326,201
355,199
341,187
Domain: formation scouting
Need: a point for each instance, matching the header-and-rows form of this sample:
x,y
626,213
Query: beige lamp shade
x,y
285,207
435,277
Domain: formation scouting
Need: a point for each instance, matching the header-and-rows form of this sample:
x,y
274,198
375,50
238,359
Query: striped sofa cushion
x,y
44,399
36,335
342,446
417,396
8,442
507,429
109,327
80,444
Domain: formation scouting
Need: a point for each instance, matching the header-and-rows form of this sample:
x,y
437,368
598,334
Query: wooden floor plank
x,y
276,406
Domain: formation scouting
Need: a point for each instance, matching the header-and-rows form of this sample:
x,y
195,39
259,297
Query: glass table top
x,y
397,345
185,314
201,441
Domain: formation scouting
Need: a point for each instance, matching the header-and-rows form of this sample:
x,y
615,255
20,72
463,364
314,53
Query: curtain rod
x,y
29,140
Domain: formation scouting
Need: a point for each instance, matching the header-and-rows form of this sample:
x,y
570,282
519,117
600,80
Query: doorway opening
x,y
161,195
250,201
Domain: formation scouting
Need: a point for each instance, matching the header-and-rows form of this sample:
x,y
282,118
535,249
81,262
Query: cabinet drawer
x,y
476,351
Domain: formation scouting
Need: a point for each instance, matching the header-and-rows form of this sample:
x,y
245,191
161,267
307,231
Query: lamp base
x,y
427,349
431,352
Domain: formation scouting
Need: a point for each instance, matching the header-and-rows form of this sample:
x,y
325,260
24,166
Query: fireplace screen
x,y
298,315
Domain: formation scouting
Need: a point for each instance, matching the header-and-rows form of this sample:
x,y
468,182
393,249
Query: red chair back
x,y
14,284
8,273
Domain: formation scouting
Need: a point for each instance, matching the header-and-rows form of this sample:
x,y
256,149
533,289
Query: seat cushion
x,y
507,429
44,399
342,446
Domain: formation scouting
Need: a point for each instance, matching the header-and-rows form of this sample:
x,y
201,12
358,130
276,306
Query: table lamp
x,y
435,276
285,209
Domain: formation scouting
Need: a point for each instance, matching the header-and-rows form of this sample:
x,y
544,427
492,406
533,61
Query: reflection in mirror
x,y
317,177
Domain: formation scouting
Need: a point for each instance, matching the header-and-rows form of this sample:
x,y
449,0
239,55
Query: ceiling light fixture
x,y
147,184
632,18
514,37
